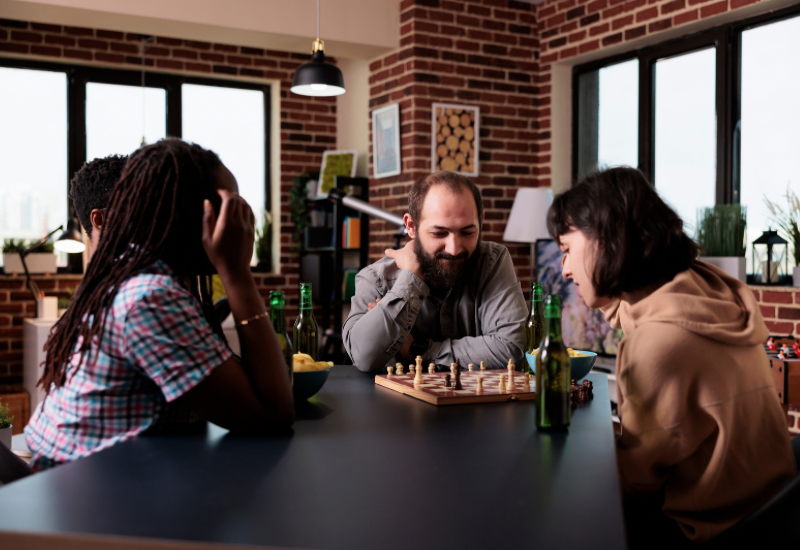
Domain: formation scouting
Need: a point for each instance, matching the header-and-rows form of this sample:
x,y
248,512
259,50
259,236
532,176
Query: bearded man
x,y
446,295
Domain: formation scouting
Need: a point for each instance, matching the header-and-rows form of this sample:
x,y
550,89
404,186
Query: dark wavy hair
x,y
640,238
456,183
91,186
155,212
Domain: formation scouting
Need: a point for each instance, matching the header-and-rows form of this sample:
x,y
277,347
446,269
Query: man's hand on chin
x,y
406,258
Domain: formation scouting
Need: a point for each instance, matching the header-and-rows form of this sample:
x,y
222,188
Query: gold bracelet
x,y
252,319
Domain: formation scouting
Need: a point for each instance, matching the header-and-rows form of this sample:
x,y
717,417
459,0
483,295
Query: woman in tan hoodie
x,y
703,433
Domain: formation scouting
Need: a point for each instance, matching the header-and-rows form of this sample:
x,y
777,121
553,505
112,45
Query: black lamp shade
x,y
70,240
318,78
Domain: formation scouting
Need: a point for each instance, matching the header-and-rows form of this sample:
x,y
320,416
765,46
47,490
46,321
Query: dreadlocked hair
x,y
155,213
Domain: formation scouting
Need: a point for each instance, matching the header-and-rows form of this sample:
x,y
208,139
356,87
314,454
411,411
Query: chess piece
x,y
446,380
431,368
399,368
502,385
526,383
418,378
511,385
453,369
471,367
483,365
418,361
390,370
458,385
479,389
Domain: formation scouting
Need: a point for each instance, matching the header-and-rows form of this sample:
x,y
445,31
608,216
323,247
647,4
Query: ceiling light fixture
x,y
317,78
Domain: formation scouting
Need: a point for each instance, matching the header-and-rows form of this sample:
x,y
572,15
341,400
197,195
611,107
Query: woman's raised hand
x,y
228,239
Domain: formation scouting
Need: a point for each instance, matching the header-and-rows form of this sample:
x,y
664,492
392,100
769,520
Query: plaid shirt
x,y
156,346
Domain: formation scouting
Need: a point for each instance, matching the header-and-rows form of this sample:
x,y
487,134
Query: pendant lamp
x,y
317,78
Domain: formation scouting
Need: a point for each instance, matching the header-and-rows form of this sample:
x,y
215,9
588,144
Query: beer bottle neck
x,y
305,302
552,329
278,318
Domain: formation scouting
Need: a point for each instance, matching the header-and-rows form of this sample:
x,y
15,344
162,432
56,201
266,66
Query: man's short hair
x,y
91,186
640,239
456,183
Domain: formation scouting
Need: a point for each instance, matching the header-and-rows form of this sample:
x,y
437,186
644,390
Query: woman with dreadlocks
x,y
139,349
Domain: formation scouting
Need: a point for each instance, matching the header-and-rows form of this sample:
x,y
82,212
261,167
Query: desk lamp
x,y
528,220
70,242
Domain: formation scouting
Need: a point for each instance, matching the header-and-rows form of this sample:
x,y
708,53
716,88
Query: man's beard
x,y
442,270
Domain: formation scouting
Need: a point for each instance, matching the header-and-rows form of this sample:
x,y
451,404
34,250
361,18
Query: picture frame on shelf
x,y
335,163
386,141
455,138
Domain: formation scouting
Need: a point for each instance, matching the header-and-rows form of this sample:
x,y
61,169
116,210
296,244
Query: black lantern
x,y
770,258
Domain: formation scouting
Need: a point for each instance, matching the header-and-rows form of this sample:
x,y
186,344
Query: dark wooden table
x,y
364,468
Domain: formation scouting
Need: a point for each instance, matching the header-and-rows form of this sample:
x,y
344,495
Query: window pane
x,y
118,116
686,134
33,152
230,122
608,110
770,120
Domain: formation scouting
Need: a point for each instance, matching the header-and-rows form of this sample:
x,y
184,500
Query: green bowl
x,y
579,367
308,383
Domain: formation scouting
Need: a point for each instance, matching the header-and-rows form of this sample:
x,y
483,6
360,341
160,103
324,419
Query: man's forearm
x,y
373,337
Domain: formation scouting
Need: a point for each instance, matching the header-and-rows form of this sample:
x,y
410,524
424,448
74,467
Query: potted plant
x,y
41,261
788,221
264,243
5,425
721,234
298,208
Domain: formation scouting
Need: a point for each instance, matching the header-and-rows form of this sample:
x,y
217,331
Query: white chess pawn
x,y
502,385
390,370
479,389
431,368
399,368
526,383
483,365
471,367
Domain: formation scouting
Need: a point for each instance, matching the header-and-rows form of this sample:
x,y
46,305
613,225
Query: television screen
x,y
583,328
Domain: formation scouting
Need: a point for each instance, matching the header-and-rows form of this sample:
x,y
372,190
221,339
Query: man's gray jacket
x,y
480,320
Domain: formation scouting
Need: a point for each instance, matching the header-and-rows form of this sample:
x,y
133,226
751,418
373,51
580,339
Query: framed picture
x,y
454,143
386,141
335,163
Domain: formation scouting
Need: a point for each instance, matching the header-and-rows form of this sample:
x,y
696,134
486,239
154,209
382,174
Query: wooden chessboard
x,y
433,390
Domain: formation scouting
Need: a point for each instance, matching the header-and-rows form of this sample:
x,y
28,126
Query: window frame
x,y
727,41
80,75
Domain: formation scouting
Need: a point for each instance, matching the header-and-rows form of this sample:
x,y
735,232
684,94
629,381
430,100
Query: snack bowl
x,y
308,383
579,367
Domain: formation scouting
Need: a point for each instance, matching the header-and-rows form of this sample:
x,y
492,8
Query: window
x,y
685,133
608,115
33,152
230,122
53,124
770,142
717,116
119,117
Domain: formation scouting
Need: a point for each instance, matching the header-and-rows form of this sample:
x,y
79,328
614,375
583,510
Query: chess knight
x,y
446,295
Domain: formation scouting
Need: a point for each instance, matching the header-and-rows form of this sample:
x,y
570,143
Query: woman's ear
x,y
410,225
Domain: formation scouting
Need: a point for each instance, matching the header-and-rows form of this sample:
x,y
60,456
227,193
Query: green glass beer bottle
x,y
305,327
552,372
534,326
277,314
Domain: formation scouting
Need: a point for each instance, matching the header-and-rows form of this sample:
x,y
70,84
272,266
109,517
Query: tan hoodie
x,y
700,414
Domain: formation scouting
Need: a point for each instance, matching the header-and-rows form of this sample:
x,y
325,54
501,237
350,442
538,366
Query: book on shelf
x,y
351,233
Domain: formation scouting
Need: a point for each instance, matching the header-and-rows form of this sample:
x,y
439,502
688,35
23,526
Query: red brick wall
x,y
780,307
474,53
308,127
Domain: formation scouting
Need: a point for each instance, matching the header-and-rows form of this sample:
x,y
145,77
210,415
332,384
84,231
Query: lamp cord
x,y
317,18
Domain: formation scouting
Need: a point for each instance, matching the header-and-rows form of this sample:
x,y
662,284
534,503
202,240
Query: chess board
x,y
433,390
